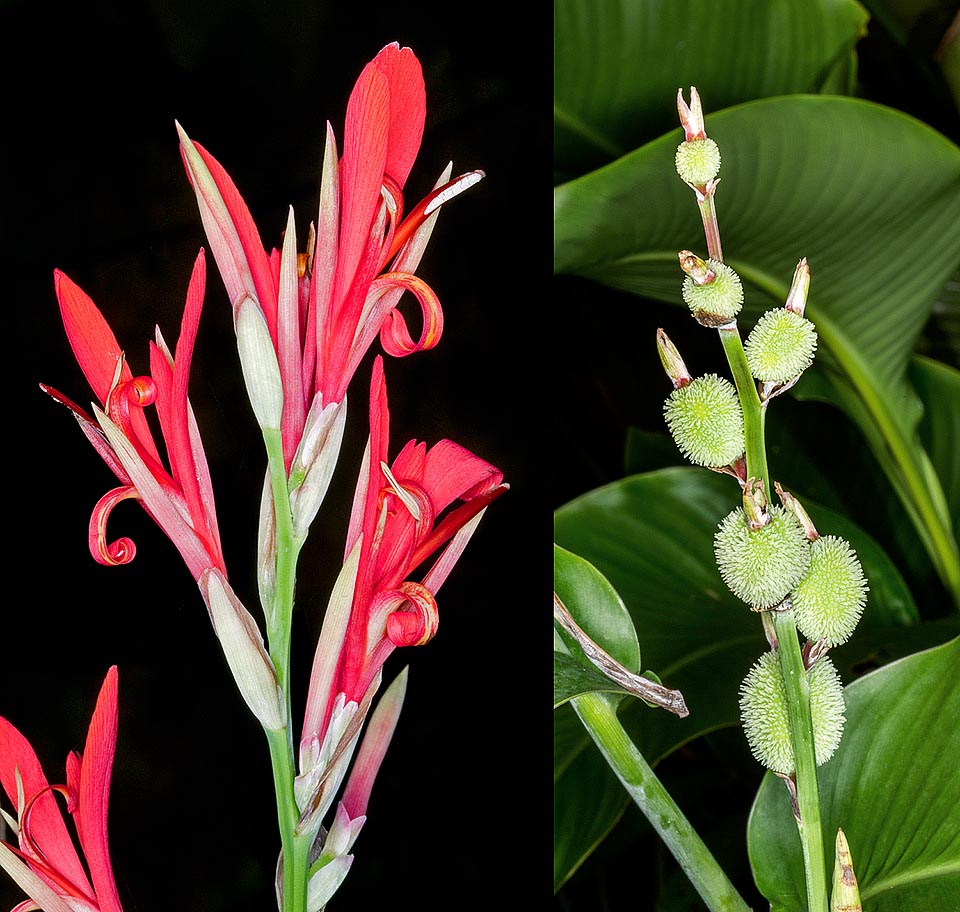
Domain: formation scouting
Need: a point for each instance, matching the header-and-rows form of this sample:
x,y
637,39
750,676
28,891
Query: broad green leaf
x,y
869,196
938,386
651,536
892,786
618,63
588,799
571,678
596,607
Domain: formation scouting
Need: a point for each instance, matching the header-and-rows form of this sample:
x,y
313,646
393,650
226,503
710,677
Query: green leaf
x,y
571,678
802,176
596,607
651,537
892,786
618,64
938,386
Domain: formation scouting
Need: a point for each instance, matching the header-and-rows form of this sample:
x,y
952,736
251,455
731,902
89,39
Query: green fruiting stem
x,y
711,229
753,412
801,734
599,716
788,646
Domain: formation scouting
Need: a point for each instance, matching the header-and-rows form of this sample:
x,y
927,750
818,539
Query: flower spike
x,y
45,862
178,496
323,309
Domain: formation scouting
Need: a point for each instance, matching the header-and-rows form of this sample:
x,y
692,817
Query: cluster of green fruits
x,y
770,556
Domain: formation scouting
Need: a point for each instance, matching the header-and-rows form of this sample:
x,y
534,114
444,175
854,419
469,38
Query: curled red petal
x,y
416,622
394,335
121,551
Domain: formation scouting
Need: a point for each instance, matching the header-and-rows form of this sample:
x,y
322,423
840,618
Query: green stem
x,y
788,646
295,848
801,734
599,717
753,411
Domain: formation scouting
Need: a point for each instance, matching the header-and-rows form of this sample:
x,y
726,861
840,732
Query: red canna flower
x,y
324,308
45,863
403,514
179,498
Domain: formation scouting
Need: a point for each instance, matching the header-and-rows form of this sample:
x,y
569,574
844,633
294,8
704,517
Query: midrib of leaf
x,y
587,133
909,877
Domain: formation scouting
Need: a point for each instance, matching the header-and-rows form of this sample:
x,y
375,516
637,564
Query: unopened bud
x,y
315,460
846,893
671,361
258,361
243,648
799,289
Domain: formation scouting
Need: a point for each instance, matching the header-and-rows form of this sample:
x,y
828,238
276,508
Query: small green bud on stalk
x,y
829,601
711,289
766,723
706,421
846,892
762,565
780,346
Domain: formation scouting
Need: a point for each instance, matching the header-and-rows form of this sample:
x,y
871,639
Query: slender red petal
x,y
361,170
233,236
94,793
96,349
408,108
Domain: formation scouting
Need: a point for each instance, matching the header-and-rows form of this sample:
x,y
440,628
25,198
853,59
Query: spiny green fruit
x,y
706,422
761,566
763,710
723,297
780,346
698,161
829,600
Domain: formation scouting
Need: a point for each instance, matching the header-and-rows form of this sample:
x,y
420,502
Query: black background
x,y
93,185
